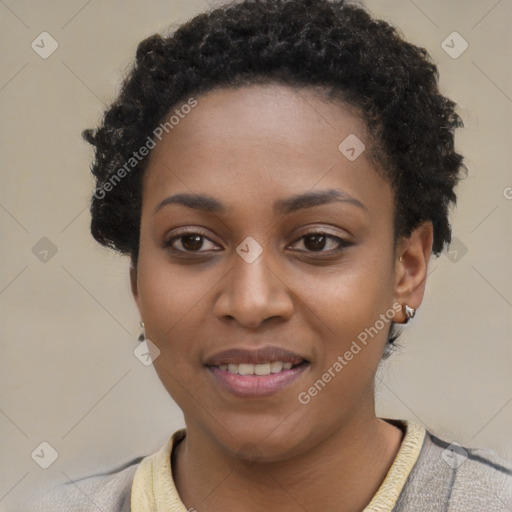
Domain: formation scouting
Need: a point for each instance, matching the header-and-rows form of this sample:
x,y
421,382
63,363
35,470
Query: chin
x,y
262,438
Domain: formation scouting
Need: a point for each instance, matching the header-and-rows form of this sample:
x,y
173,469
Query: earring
x,y
409,312
142,335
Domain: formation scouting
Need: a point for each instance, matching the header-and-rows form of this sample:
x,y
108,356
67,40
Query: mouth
x,y
256,373
259,369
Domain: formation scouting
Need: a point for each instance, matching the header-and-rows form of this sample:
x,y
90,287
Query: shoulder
x,y
451,477
106,491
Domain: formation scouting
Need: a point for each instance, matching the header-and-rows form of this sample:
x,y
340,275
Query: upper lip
x,y
253,356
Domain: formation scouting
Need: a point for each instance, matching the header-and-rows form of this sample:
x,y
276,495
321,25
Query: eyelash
x,y
341,242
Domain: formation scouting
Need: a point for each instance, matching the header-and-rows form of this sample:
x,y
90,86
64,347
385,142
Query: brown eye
x,y
192,242
318,241
189,242
315,242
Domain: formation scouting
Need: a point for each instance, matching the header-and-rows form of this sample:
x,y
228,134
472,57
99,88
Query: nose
x,y
253,293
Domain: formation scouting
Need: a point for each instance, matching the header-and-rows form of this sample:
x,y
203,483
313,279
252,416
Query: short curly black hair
x,y
327,44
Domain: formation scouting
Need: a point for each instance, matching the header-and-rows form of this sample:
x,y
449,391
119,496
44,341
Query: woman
x,y
279,173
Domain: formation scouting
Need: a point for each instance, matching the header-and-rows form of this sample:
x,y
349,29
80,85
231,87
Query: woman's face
x,y
289,260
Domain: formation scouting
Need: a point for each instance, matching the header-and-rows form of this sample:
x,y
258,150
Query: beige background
x,y
69,326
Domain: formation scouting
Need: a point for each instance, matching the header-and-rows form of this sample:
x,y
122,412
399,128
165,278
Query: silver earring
x,y
142,335
409,312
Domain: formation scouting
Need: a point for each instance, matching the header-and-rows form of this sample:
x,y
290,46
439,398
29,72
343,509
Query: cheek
x,y
168,298
167,303
167,291
348,305
351,295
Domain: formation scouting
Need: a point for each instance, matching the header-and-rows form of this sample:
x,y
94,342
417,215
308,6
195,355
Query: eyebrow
x,y
284,206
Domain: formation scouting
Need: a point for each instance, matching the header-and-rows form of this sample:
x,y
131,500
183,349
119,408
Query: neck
x,y
342,472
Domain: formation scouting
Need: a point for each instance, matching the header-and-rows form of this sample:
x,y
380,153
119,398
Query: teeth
x,y
256,369
262,369
246,369
276,366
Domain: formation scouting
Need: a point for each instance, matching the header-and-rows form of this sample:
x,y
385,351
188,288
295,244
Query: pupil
x,y
318,242
196,242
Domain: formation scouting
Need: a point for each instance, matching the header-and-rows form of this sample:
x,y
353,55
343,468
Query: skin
x,y
249,147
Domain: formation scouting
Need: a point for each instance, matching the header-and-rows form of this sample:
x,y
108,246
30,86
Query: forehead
x,y
257,143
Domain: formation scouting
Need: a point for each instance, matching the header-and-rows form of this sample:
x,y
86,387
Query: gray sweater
x,y
442,480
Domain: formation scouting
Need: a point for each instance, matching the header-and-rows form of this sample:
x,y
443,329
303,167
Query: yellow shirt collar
x,y
153,488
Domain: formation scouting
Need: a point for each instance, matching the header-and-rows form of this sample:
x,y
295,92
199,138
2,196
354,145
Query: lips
x,y
255,373
257,356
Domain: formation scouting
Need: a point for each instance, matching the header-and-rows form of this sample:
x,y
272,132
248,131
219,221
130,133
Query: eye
x,y
314,242
190,241
317,241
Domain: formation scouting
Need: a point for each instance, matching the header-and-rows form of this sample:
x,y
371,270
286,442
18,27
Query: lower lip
x,y
256,385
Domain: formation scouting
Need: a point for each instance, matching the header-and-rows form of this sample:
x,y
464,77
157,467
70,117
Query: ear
x,y
412,257
133,284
